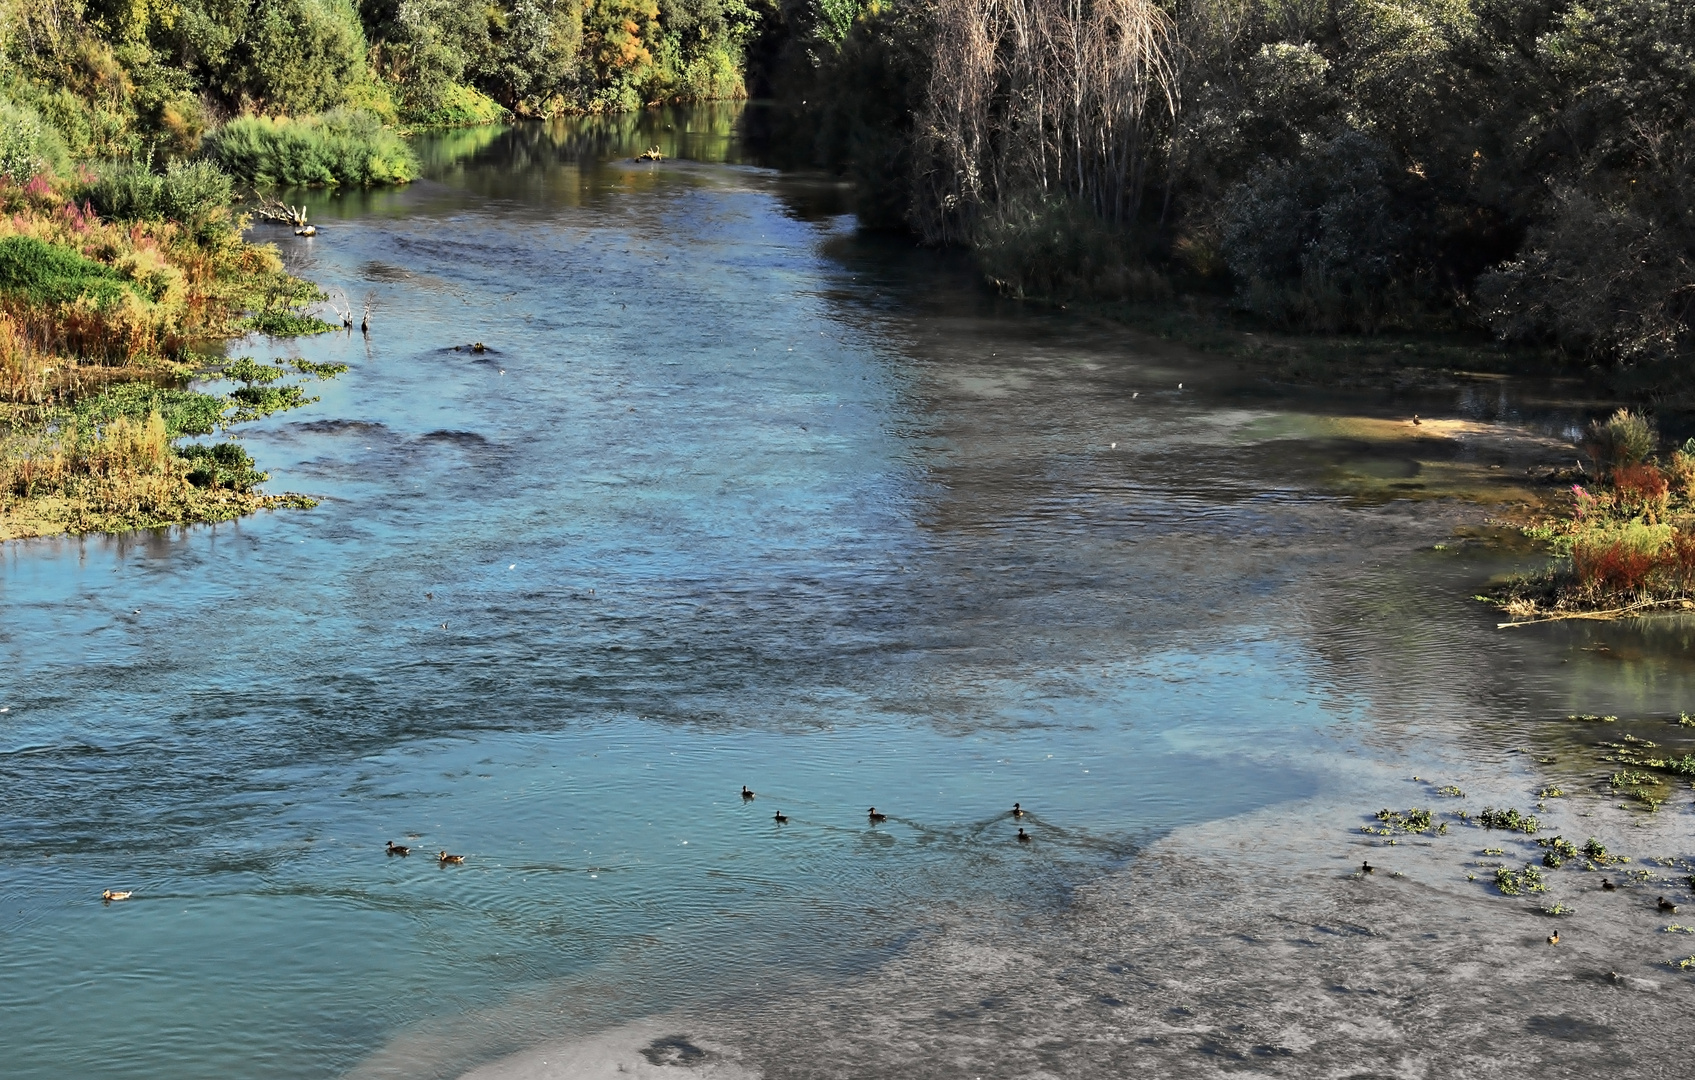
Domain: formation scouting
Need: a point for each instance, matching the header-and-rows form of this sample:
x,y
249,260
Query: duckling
x,y
780,818
396,849
747,793
875,816
1554,938
445,858
1366,868
1017,811
110,895
1023,837
1667,907
1607,885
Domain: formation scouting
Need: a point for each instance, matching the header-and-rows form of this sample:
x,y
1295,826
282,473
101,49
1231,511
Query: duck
x,y
875,816
1667,907
1606,884
747,792
445,858
111,894
1017,811
1366,868
1554,938
780,818
396,849
1023,837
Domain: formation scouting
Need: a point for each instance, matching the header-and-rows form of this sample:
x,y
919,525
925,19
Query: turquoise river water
x,y
733,496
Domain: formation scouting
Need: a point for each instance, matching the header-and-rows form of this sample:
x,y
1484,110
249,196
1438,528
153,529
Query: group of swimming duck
x,y
876,818
1664,906
445,859
442,857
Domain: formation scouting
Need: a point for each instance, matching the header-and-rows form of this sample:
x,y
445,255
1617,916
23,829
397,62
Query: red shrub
x,y
1612,566
1641,489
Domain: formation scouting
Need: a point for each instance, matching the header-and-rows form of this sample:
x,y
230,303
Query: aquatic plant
x,y
1412,821
1559,909
281,322
221,465
1450,791
1514,882
1508,819
1558,850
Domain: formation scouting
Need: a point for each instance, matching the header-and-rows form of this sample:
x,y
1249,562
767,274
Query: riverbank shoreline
x,y
1250,943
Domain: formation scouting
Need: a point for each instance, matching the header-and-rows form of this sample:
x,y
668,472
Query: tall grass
x,y
350,147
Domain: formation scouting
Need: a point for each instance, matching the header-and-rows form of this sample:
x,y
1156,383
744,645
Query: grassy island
x,y
1624,538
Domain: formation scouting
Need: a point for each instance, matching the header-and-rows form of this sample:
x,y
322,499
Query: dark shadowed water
x,y
732,497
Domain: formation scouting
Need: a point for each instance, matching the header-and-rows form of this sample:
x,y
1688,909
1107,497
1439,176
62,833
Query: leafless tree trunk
x,y
1033,98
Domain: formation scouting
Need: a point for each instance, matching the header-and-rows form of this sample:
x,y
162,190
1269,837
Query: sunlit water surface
x,y
732,496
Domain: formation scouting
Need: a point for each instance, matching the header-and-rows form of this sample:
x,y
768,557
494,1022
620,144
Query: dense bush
x,y
28,144
191,192
339,147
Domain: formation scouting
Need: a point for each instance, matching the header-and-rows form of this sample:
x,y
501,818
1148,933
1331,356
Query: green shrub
x,y
46,274
1625,438
339,147
191,192
280,322
1057,249
29,145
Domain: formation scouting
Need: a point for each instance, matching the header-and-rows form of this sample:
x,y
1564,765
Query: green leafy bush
x,y
340,147
194,192
29,145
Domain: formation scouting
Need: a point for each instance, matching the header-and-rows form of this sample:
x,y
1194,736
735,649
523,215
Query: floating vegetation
x,y
1450,791
1593,718
1685,720
1413,821
1508,819
1678,928
1551,793
1559,909
1597,852
1494,851
1559,849
1515,882
1686,964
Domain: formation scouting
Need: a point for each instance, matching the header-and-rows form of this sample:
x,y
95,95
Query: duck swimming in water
x,y
747,792
1366,868
1023,837
1607,885
110,895
780,818
395,849
875,816
1554,938
1017,811
1667,907
445,858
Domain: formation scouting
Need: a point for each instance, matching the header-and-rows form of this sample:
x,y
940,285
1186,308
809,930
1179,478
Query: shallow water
x,y
733,496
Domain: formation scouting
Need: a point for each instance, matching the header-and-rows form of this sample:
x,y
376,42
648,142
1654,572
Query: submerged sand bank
x,y
1246,947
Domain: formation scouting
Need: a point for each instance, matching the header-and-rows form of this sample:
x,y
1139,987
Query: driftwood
x,y
280,213
1602,616
650,154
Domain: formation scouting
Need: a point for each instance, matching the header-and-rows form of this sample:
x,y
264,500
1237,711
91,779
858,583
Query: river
x,y
731,495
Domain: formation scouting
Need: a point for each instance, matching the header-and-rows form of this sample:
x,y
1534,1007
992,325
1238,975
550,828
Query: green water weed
x,y
1509,820
1515,882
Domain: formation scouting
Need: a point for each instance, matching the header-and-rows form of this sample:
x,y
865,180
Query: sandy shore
x,y
1247,947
